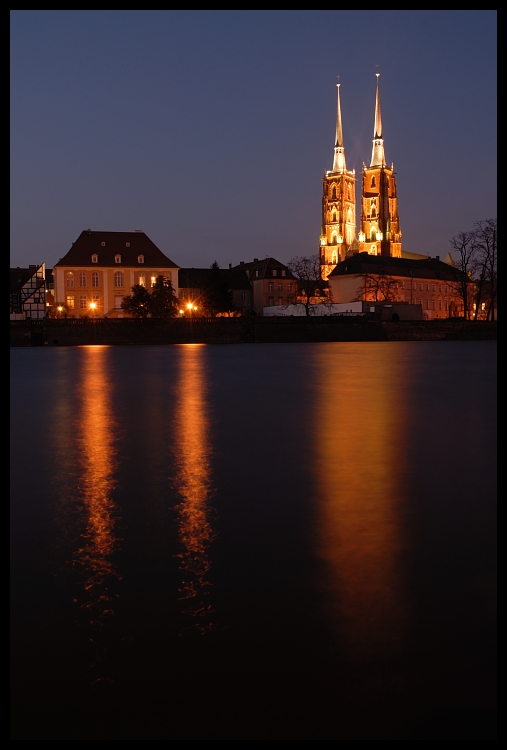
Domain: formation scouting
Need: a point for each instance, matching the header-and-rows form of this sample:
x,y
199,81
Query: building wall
x,y
438,299
338,219
107,293
379,213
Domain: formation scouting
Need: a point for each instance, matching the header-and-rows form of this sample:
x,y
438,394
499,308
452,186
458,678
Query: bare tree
x,y
486,248
476,258
464,246
306,269
378,287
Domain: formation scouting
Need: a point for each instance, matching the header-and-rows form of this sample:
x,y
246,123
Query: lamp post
x,y
93,305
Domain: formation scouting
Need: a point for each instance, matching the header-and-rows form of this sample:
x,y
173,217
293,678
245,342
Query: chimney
x,y
241,262
437,257
230,265
256,260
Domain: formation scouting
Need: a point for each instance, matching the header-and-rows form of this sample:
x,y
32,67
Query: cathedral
x,y
379,227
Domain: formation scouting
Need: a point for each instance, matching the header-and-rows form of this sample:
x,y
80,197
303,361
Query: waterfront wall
x,y
75,332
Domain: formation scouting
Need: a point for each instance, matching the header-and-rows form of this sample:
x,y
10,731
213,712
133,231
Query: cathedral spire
x,y
377,154
339,151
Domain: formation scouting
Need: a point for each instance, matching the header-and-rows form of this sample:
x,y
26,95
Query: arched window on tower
x,y
333,192
373,181
373,233
334,239
373,208
334,216
334,257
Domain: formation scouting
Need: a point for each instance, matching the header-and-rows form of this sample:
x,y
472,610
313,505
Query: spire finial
x,y
377,156
339,151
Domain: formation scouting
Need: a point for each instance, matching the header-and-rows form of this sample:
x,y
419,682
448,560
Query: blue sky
x,y
211,130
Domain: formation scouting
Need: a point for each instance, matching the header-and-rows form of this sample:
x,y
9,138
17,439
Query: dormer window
x,y
95,258
102,244
127,244
140,258
274,271
117,258
283,273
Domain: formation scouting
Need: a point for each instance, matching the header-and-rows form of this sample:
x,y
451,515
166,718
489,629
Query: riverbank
x,y
77,332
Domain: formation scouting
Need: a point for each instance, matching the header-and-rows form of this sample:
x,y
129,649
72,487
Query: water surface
x,y
254,542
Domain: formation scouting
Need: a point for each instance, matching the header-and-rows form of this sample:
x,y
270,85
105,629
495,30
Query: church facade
x,y
379,226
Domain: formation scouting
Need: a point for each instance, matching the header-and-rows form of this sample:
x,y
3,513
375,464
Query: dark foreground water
x,y
254,542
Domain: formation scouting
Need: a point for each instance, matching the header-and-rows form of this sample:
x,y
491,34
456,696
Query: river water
x,y
284,541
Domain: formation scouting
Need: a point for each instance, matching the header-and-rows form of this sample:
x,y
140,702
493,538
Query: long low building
x,y
431,283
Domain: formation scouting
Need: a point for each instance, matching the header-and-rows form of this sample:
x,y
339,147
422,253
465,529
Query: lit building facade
x,y
379,232
338,205
430,283
101,268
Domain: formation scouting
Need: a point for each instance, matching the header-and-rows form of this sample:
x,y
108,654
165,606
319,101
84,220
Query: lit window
x,y
140,258
70,301
95,279
118,279
117,258
153,280
82,301
95,258
82,279
70,279
142,279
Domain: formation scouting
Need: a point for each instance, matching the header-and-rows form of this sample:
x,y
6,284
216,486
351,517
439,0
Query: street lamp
x,y
93,305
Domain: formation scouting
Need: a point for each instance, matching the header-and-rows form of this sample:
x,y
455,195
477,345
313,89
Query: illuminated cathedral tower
x,y
338,206
380,232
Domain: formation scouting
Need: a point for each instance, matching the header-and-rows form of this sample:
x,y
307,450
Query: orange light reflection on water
x,y
96,439
360,427
193,483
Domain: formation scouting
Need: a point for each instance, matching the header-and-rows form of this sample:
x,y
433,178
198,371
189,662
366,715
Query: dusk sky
x,y
211,130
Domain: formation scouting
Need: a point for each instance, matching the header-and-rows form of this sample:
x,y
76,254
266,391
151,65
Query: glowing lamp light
x,y
93,305
361,237
379,235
